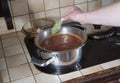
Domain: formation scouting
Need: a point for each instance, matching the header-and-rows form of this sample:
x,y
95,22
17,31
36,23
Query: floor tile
x,y
10,42
20,21
4,30
69,76
94,5
91,70
52,4
64,3
34,69
4,76
25,48
10,35
23,44
21,38
64,9
38,15
7,82
53,13
2,64
19,7
0,44
28,56
20,33
13,50
116,0
20,72
1,79
79,1
111,64
47,78
25,80
106,2
83,6
36,5
1,53
16,60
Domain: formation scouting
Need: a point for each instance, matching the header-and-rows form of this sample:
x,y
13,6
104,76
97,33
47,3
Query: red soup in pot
x,y
60,42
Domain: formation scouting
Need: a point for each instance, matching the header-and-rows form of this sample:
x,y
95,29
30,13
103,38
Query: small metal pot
x,y
59,58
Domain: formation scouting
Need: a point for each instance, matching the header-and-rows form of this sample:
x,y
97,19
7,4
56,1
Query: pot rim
x,y
62,51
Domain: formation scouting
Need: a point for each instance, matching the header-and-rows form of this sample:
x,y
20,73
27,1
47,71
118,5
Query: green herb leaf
x,y
56,27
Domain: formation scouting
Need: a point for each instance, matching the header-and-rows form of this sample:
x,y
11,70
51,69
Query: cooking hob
x,y
95,51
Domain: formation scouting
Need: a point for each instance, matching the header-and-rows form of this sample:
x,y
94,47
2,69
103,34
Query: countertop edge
x,y
109,75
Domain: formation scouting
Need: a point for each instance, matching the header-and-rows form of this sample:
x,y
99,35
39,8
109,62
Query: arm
x,y
109,15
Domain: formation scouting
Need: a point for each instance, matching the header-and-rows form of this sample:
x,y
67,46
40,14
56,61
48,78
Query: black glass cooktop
x,y
95,51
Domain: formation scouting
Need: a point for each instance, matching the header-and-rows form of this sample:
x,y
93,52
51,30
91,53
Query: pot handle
x,y
42,62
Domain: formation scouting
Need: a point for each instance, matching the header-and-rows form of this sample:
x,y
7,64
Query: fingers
x,y
66,17
71,14
67,14
69,11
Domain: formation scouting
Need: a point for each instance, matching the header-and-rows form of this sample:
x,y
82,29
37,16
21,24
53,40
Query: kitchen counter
x,y
16,66
111,75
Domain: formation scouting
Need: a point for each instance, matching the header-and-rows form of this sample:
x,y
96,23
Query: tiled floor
x,y
16,66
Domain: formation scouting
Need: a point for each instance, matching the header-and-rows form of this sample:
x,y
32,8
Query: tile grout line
x,y
109,62
30,66
81,73
87,5
44,11
27,59
44,8
7,34
12,45
73,3
30,17
5,60
13,19
59,78
49,9
19,78
19,64
12,55
96,71
59,10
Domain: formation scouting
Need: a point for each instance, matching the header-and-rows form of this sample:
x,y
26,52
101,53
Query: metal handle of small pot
x,y
42,62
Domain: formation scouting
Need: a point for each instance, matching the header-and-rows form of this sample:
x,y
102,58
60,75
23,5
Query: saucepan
x,y
59,57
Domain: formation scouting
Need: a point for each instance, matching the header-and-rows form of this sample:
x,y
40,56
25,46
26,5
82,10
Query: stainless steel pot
x,y
59,58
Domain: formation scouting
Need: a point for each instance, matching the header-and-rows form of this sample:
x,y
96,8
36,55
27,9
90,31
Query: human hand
x,y
72,14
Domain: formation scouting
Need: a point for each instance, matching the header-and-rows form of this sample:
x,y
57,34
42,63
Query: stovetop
x,y
94,52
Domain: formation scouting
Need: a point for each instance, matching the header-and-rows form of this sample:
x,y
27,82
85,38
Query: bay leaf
x,y
56,26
